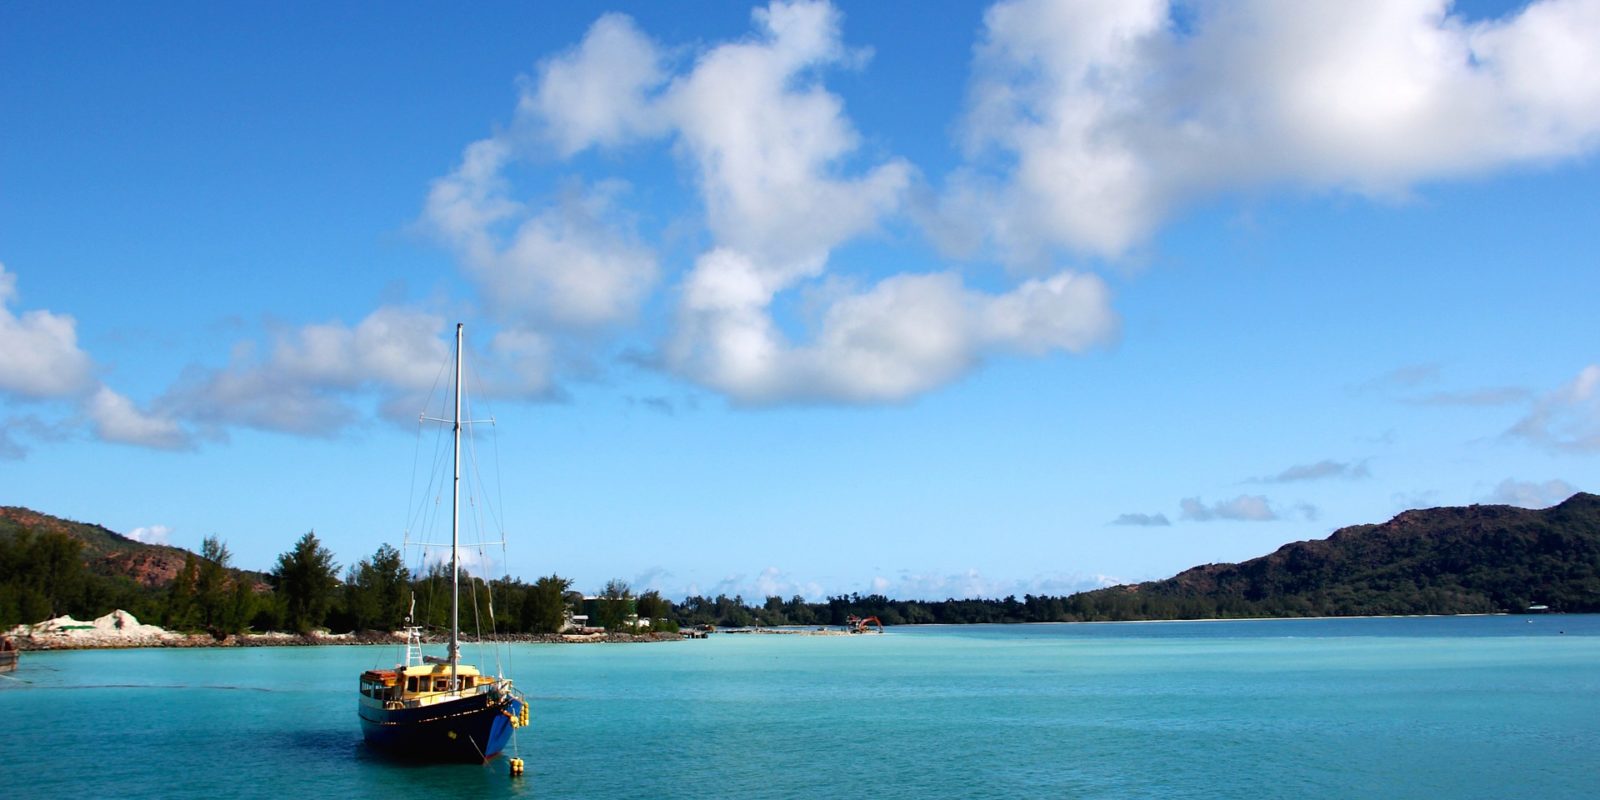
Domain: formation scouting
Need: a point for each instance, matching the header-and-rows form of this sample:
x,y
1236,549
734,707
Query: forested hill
x,y
1474,559
105,552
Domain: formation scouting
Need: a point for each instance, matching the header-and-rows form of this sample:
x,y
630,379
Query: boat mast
x,y
455,528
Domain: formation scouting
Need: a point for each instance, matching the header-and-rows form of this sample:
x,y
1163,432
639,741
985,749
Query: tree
x,y
377,590
651,606
43,576
544,607
306,577
211,586
181,596
615,606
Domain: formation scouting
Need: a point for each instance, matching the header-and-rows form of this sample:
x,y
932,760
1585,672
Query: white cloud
x,y
116,419
1530,494
304,383
598,93
904,336
568,265
39,354
1567,419
151,534
776,162
1091,122
1245,507
575,262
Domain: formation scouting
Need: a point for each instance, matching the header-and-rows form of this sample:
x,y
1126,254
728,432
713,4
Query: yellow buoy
x,y
516,767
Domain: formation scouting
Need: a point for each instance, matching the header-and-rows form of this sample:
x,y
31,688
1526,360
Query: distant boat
x,y
8,654
439,709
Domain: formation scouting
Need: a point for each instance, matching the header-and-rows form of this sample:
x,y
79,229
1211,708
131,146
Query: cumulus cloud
x,y
599,93
303,383
904,336
1090,123
1248,508
567,265
768,145
39,353
1531,494
574,262
1142,520
1567,419
116,419
1326,468
151,534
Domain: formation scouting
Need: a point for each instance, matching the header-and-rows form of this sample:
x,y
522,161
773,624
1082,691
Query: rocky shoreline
x,y
120,630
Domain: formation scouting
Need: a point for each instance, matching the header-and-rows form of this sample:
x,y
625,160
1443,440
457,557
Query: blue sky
x,y
800,298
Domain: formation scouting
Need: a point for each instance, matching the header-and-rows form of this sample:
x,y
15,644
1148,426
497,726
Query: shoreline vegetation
x,y
1439,561
121,630
47,636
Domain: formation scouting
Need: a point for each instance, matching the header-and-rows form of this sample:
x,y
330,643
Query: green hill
x,y
1473,559
50,566
105,552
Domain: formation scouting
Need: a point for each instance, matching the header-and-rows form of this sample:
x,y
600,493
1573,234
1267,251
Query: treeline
x,y
1477,559
43,574
1117,604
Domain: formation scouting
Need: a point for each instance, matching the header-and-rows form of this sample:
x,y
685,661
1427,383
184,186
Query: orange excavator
x,y
862,624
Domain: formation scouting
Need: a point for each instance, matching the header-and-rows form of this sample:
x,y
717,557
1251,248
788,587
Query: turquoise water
x,y
1443,707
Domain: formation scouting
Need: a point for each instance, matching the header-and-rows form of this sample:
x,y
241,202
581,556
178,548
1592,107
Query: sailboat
x,y
432,708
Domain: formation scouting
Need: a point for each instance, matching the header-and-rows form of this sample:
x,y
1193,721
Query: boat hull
x,y
470,730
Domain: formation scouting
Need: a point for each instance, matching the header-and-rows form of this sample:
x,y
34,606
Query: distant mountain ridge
x,y
1451,560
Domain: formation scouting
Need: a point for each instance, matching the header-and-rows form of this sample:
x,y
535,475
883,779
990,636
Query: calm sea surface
x,y
1490,707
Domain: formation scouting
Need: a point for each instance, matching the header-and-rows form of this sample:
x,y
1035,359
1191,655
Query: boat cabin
x,y
421,685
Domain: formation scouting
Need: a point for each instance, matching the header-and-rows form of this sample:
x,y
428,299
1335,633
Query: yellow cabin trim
x,y
423,685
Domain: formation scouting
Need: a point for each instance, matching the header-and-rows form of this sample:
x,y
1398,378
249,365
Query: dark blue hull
x,y
470,730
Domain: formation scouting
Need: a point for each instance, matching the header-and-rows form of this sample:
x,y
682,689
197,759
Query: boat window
x,y
411,683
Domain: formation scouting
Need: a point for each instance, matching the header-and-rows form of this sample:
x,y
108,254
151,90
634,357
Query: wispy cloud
x,y
1405,501
1326,468
902,585
909,585
1531,494
1406,377
1476,398
1142,520
1248,508
1567,419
